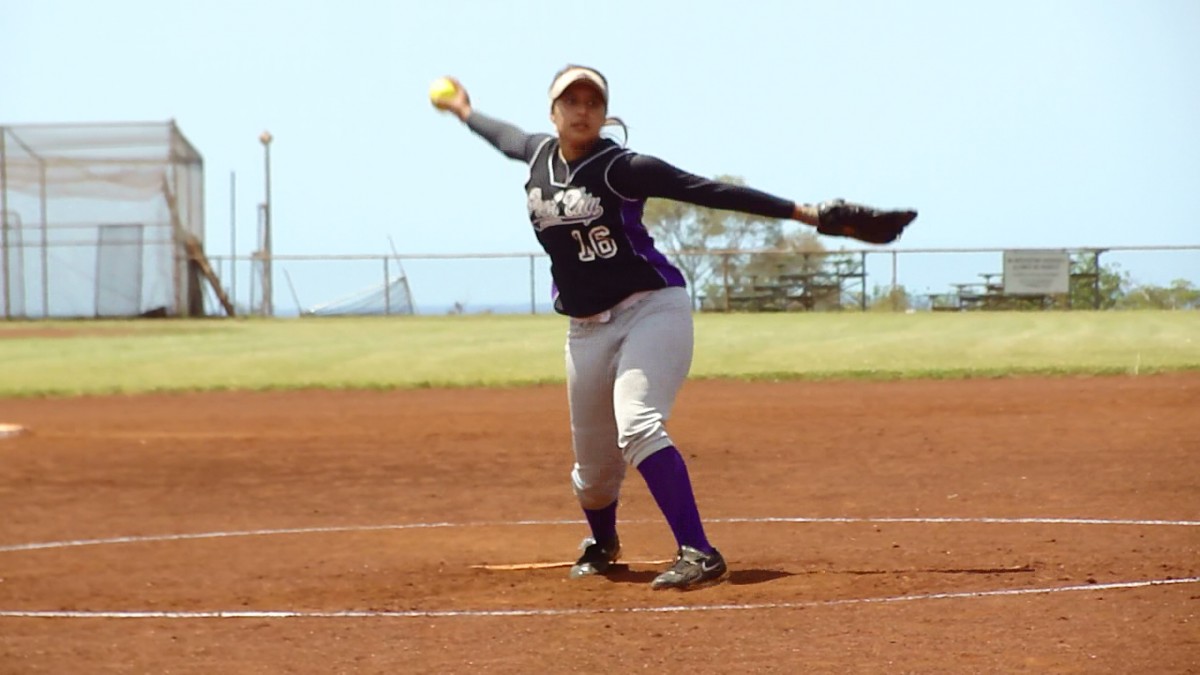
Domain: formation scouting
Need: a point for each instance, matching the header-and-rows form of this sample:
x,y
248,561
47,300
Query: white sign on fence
x,y
1036,272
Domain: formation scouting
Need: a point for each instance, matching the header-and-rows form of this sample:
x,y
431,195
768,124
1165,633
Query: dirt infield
x,y
984,526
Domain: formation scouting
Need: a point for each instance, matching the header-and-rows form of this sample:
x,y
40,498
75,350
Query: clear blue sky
x,y
1022,123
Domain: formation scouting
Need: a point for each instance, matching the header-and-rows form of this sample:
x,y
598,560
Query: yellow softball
x,y
442,89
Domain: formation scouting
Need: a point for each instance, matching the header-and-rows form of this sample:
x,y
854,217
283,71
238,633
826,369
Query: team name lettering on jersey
x,y
573,206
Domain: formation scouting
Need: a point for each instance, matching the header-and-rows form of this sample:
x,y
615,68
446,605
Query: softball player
x,y
629,344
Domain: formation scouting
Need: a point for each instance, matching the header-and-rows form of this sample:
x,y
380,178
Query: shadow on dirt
x,y
622,574
750,577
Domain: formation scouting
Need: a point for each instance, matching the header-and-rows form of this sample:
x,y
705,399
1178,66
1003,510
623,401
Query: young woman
x,y
629,344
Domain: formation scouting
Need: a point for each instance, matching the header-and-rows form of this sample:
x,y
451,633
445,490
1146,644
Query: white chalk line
x,y
667,609
34,546
222,614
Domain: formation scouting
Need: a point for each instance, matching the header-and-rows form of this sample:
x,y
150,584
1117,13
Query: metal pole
x,y
895,262
256,264
233,237
42,202
725,280
4,223
863,271
532,288
387,288
99,271
268,301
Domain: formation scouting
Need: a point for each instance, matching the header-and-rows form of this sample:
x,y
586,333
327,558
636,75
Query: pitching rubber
x,y
10,430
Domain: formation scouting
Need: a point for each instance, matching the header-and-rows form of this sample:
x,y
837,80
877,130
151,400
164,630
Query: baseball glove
x,y
840,218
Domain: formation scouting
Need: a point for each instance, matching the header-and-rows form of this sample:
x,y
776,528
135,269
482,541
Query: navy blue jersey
x,y
587,215
600,252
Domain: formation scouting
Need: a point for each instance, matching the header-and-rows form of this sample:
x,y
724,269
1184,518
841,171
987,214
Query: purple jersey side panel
x,y
643,243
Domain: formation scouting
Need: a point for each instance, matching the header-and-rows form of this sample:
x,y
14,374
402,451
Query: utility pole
x,y
268,304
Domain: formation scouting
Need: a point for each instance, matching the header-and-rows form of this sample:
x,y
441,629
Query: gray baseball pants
x,y
622,378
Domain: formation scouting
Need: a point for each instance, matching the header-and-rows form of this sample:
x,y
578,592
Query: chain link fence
x,y
951,279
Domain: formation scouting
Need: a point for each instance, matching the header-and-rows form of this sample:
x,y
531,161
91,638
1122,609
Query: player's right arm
x,y
505,137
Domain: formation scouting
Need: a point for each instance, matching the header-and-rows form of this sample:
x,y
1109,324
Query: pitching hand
x,y
458,103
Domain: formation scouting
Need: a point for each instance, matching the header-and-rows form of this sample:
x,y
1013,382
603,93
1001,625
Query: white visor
x,y
577,74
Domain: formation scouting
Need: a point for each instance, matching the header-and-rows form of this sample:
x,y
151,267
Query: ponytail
x,y
617,122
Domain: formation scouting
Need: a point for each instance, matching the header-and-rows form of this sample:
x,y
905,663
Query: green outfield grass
x,y
78,357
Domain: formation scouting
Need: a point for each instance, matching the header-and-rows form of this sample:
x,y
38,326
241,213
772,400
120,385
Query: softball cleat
x,y
596,558
693,568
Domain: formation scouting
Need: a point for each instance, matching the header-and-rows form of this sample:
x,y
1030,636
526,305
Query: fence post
x,y
233,238
895,263
387,288
863,269
725,281
4,224
532,286
45,256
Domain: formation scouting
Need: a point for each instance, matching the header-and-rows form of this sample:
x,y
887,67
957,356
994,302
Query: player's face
x,y
579,114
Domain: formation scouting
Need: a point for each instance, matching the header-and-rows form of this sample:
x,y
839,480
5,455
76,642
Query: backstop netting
x,y
96,218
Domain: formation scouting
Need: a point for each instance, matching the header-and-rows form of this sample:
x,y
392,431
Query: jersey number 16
x,y
597,242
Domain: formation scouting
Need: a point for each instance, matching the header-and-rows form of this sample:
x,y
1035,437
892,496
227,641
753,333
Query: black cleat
x,y
596,558
692,569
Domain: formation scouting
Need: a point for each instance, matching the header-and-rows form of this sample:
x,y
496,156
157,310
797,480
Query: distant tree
x,y
794,269
1112,288
689,234
1181,294
1100,288
1185,294
889,299
799,253
712,249
681,230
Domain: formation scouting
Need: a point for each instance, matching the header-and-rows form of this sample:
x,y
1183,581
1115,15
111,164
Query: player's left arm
x,y
643,176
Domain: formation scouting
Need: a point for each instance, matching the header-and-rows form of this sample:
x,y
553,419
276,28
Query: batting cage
x,y
101,220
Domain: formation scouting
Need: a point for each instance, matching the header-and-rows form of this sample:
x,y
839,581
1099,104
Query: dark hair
x,y
608,121
614,122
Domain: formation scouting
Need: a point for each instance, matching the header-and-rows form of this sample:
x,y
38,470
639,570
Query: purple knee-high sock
x,y
667,477
603,522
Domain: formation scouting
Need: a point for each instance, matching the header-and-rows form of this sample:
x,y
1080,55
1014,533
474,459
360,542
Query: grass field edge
x,y
763,376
